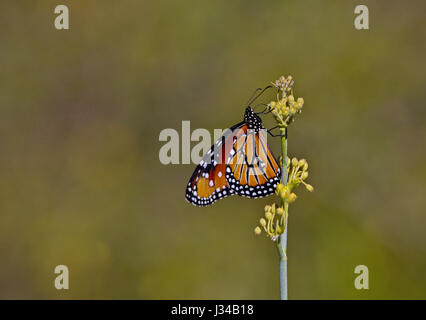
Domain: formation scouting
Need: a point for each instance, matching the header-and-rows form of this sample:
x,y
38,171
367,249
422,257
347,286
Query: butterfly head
x,y
252,119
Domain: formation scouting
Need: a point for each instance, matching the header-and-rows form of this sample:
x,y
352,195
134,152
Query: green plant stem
x,y
282,242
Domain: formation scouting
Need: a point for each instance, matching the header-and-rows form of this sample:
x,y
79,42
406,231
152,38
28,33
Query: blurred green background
x,y
81,183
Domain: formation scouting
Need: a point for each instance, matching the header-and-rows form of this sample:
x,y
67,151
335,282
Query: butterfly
x,y
240,162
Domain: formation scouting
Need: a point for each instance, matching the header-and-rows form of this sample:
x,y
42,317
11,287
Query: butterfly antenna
x,y
261,92
252,95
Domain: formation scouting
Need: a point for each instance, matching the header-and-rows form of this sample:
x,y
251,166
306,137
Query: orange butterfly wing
x,y
208,182
252,171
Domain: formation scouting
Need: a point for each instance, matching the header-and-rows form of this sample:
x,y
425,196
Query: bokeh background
x,y
81,183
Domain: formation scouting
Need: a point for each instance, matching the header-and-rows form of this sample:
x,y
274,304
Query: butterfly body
x,y
240,162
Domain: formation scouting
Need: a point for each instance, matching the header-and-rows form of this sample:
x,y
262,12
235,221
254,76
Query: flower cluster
x,y
274,222
286,107
276,219
297,174
284,84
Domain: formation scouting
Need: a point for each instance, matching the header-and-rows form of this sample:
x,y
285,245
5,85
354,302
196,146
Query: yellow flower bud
x,y
290,99
304,175
284,193
257,230
272,104
309,188
294,162
293,110
302,162
267,208
292,197
280,187
268,215
280,211
305,166
279,230
300,102
262,222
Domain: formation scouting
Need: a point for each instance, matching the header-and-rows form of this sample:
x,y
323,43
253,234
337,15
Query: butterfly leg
x,y
277,135
264,111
